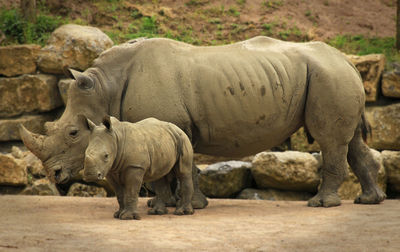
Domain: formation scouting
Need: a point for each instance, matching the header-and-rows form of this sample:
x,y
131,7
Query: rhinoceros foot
x,y
199,201
116,214
129,215
325,200
170,202
184,210
374,196
158,210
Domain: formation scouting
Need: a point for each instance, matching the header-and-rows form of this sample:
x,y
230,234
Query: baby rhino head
x,y
101,151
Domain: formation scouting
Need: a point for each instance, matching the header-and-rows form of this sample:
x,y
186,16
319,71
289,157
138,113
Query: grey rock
x,y
28,93
391,161
83,190
289,170
74,46
273,194
225,179
18,59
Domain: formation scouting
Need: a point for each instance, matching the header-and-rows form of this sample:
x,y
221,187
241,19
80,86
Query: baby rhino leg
x,y
184,174
133,181
157,203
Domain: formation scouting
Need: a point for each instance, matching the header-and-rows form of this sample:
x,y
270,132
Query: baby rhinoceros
x,y
131,153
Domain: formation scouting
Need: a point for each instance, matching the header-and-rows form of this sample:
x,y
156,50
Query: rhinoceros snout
x,y
60,176
92,177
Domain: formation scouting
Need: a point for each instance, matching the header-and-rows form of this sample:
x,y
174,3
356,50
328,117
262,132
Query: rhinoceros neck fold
x,y
119,137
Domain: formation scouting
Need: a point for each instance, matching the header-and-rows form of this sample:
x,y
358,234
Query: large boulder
x,y
273,194
41,187
289,170
74,46
35,123
370,67
225,179
18,59
13,171
82,190
28,93
391,83
33,164
391,161
385,123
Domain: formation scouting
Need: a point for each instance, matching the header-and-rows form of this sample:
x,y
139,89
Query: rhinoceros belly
x,y
247,103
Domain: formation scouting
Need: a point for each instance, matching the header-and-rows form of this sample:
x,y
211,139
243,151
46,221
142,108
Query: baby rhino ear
x,y
107,122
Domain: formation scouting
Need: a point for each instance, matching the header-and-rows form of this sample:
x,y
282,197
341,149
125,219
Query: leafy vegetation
x,y
18,30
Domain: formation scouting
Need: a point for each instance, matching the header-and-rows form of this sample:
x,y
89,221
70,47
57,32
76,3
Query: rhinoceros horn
x,y
34,142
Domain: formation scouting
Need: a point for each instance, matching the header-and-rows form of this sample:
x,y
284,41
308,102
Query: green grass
x,y
19,31
361,45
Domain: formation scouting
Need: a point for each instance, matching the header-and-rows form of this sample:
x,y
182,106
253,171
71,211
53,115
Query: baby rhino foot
x,y
158,210
325,200
371,197
184,210
129,215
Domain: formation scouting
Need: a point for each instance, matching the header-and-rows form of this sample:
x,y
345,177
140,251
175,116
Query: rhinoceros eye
x,y
73,133
105,156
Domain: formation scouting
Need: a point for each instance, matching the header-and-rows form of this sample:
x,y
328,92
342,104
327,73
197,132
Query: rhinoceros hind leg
x,y
164,193
185,190
333,173
199,200
366,168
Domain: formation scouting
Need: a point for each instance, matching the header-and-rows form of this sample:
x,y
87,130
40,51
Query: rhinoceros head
x,y
101,151
62,148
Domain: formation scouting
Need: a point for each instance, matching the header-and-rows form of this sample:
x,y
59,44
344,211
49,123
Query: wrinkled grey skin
x,y
132,153
237,99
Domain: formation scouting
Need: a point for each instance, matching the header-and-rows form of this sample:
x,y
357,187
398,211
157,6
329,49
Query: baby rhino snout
x,y
90,173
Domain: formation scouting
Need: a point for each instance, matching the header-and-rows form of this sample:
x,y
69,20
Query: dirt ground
x,y
37,223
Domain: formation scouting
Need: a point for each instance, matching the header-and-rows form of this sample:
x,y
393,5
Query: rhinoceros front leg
x,y
199,200
333,174
119,192
133,181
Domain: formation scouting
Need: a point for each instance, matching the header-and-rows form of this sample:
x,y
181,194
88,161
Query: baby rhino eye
x,y
106,156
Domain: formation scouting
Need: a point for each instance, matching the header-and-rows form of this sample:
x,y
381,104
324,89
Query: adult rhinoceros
x,y
231,100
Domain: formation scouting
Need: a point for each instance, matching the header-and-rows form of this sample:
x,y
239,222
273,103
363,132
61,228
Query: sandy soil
x,y
34,223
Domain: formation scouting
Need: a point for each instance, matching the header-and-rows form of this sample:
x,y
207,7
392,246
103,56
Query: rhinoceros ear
x,y
82,80
107,122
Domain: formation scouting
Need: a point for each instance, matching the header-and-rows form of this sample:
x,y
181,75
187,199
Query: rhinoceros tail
x,y
310,139
365,127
